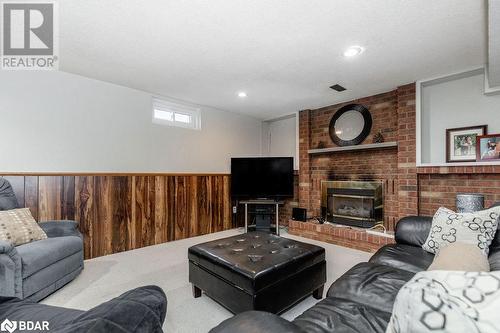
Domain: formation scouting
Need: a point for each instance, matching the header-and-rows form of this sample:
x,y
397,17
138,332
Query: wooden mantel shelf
x,y
351,148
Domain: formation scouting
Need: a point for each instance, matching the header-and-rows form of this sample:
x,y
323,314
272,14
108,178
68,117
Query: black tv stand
x,y
262,202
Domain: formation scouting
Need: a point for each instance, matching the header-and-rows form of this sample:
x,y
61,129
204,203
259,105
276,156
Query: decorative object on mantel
x,y
469,202
488,148
321,145
378,138
461,143
350,125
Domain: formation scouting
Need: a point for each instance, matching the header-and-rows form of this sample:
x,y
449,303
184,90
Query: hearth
x,y
354,203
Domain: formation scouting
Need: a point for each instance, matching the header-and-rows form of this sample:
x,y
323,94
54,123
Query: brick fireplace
x,y
407,190
379,165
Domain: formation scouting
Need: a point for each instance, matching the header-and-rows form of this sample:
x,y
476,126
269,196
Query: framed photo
x,y
461,143
488,148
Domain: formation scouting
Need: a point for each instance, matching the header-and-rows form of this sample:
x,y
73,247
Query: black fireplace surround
x,y
353,203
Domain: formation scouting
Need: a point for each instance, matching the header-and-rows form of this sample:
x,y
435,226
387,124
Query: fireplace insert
x,y
354,203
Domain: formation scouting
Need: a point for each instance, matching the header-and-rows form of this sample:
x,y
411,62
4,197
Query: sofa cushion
x,y
413,230
7,197
373,284
139,310
335,314
460,257
494,260
52,277
15,309
407,257
256,322
40,254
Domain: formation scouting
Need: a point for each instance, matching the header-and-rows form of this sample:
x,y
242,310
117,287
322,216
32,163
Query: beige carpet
x,y
166,265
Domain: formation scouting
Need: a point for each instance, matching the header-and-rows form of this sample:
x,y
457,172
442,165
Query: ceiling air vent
x,y
337,87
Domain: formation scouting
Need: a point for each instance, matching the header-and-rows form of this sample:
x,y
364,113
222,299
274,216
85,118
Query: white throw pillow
x,y
476,228
460,256
448,301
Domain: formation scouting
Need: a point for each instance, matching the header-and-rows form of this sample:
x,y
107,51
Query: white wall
x,y
60,122
457,103
279,138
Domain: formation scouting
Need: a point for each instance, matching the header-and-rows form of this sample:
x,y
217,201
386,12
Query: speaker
x,y
299,214
263,215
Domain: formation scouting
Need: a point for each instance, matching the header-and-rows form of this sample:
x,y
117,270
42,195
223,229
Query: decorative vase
x,y
321,145
378,138
469,202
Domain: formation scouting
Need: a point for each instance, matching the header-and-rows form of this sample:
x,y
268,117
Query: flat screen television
x,y
262,177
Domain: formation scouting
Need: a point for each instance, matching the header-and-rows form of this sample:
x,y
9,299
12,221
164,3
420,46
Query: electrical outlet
x,y
234,210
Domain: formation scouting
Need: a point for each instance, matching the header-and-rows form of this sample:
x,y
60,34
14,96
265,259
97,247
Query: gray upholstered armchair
x,y
37,269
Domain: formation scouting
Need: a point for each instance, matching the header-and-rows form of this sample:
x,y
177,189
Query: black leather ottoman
x,y
257,271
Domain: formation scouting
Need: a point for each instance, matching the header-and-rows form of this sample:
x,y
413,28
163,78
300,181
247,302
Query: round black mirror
x,y
350,125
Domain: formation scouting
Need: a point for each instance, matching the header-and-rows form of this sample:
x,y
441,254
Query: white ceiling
x,y
283,53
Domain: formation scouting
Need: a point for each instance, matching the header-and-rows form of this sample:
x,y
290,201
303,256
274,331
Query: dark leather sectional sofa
x,y
361,300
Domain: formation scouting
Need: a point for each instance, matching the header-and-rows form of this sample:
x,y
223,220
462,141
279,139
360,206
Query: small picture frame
x,y
488,148
461,143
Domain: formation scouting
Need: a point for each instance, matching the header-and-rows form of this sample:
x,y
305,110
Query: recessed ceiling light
x,y
353,51
242,94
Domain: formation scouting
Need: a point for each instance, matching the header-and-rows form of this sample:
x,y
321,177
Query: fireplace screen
x,y
355,203
357,207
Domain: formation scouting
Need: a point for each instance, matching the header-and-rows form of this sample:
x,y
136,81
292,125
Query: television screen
x,y
262,177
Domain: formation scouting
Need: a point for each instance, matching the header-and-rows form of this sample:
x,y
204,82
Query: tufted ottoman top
x,y
255,260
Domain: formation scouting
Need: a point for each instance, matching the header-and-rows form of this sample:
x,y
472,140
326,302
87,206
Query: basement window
x,y
176,114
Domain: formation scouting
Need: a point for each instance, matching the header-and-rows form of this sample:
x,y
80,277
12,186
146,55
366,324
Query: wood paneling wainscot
x,y
121,212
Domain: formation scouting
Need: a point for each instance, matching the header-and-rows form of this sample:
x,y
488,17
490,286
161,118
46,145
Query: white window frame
x,y
160,104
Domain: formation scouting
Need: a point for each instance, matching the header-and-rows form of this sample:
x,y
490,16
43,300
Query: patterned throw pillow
x,y
448,301
448,227
17,226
